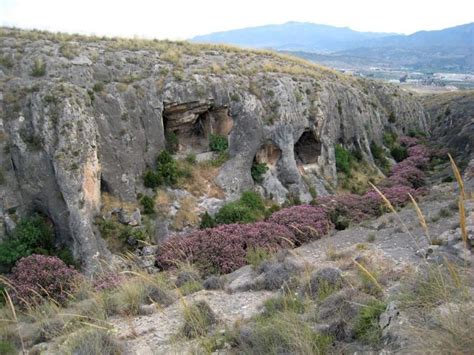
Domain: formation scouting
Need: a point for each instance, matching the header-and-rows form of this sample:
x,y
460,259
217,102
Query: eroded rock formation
x,y
99,116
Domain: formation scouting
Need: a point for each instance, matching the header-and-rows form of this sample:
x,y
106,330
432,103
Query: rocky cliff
x,y
451,118
82,116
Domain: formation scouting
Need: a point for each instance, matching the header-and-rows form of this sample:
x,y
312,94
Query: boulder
x,y
131,218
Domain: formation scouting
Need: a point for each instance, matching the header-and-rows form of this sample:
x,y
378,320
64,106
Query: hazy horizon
x,y
185,19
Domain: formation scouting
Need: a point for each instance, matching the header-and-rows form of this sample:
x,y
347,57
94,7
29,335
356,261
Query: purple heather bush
x,y
353,207
407,141
393,181
408,171
223,249
305,221
397,195
419,155
38,277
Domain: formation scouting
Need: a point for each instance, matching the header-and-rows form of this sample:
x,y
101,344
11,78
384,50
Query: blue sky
x,y
181,19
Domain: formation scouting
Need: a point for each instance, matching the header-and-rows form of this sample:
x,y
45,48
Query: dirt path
x,y
154,333
390,230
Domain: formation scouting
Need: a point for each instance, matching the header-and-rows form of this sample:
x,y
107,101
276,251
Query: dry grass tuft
x,y
187,215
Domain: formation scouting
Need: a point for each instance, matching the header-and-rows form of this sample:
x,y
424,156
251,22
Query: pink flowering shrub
x,y
407,141
223,249
37,277
408,171
397,195
354,207
305,221
419,155
419,150
393,181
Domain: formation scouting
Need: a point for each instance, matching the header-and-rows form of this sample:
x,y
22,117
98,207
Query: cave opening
x,y
307,148
104,185
188,126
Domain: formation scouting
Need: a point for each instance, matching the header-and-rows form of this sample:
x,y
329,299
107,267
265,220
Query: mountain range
x,y
450,49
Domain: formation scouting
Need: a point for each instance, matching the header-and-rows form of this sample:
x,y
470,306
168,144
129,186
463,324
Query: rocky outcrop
x,y
97,114
451,119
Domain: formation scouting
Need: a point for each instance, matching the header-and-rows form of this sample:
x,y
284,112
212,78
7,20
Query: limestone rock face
x,y
100,115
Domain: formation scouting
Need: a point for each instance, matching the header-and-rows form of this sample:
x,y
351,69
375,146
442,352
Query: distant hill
x,y
294,36
450,49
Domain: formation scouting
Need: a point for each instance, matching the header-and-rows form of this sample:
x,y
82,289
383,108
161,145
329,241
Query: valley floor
x,y
395,242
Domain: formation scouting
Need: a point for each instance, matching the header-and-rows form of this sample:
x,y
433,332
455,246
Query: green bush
x,y
379,156
148,204
218,143
257,171
389,139
252,200
416,133
207,221
367,322
236,212
399,153
343,159
32,235
7,348
272,209
152,179
66,256
167,172
191,158
167,168
172,142
377,151
392,118
98,87
249,208
39,68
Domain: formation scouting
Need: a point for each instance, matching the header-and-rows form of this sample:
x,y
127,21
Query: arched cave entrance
x,y
188,126
307,148
268,154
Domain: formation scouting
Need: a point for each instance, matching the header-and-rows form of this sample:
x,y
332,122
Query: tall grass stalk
x,y
421,218
15,319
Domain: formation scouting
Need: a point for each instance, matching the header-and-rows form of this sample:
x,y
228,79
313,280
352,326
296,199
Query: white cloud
x,y
180,19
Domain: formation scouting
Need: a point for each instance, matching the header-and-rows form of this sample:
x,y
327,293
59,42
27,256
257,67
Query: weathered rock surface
x,y
100,114
451,119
